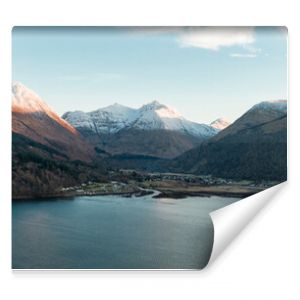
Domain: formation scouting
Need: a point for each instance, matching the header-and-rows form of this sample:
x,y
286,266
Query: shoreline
x,y
158,193
73,195
130,183
182,195
235,191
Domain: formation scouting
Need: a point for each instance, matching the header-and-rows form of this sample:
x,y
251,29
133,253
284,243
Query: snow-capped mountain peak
x,y
116,107
151,116
25,101
220,123
161,109
275,105
154,105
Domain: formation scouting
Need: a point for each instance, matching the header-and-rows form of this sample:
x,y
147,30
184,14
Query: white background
x,y
262,263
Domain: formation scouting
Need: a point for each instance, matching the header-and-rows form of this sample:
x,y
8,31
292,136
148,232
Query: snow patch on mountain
x,y
79,119
220,124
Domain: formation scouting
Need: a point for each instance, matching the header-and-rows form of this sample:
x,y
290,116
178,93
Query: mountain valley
x,y
51,153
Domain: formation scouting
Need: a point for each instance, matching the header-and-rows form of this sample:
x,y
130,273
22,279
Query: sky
x,y
203,72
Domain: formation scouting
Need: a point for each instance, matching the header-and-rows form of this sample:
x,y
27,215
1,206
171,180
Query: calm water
x,y
113,232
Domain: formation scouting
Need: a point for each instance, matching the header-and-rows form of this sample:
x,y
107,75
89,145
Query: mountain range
x,y
154,130
51,151
151,116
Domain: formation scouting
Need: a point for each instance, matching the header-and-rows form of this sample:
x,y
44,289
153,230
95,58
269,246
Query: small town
x,y
134,183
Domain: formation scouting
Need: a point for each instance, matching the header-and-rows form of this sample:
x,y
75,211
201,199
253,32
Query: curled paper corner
x,y
229,221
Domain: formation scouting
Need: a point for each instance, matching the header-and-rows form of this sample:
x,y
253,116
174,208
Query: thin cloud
x,y
213,38
252,49
243,55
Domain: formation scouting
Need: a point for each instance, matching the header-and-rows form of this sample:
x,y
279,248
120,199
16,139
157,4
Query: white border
x,y
262,263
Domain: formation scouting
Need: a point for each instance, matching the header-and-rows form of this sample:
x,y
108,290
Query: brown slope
x,y
34,119
158,143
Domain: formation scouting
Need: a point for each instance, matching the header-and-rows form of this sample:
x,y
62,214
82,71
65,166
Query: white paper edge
x,y
229,221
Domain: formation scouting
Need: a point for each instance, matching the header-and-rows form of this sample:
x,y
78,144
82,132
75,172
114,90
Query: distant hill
x,y
253,147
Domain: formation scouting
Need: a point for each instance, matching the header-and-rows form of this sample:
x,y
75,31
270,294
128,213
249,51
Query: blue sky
x,y
205,73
